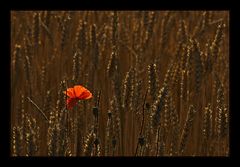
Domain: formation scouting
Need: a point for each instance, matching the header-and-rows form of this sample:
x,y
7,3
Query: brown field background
x,y
160,83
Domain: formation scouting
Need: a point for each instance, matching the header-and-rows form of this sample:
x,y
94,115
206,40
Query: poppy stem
x,y
38,109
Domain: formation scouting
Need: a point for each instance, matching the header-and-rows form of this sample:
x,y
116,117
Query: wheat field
x,y
159,79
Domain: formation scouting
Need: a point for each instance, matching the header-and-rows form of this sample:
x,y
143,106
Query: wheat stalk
x,y
152,80
187,127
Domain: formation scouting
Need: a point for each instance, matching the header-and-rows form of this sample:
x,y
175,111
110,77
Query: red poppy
x,y
76,93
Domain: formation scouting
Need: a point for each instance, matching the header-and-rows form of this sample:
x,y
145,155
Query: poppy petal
x,y
86,95
70,93
78,90
71,102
